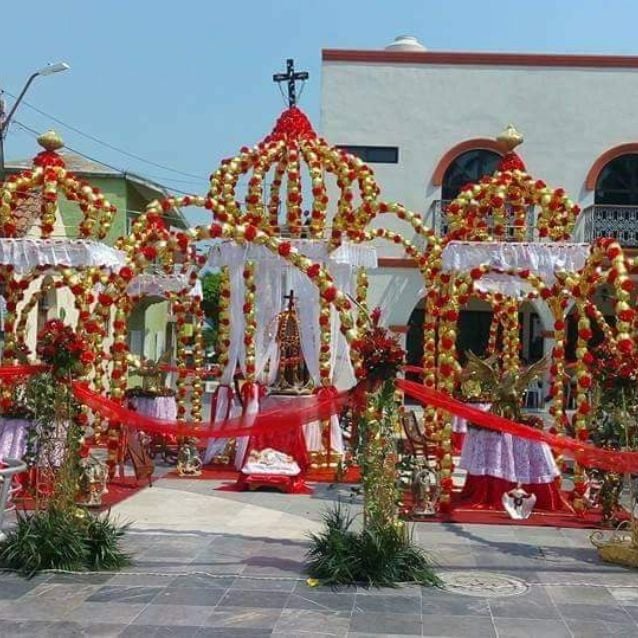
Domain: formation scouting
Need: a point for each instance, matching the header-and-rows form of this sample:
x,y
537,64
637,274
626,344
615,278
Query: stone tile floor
x,y
225,564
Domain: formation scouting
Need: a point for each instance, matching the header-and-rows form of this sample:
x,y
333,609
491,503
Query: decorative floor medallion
x,y
482,584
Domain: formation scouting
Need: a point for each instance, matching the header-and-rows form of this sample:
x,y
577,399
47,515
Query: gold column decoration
x,y
223,332
250,320
448,314
583,385
197,315
362,298
511,338
294,196
183,338
325,338
557,370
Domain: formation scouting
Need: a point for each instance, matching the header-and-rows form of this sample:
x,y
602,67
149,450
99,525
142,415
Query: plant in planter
x,y
59,534
382,552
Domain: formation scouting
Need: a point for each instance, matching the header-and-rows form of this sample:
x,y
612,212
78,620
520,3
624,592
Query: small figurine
x,y
188,461
425,489
92,482
518,503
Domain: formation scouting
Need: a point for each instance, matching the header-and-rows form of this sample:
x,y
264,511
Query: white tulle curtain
x,y
307,305
269,301
340,364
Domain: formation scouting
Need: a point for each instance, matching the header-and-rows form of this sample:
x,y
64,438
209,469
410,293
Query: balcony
x,y
436,218
606,220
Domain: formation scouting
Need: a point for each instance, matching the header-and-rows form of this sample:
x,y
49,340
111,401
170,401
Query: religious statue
x,y
92,482
270,461
292,376
518,503
504,389
425,489
153,374
188,461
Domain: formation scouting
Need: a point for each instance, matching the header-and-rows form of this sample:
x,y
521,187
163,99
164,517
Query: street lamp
x,y
5,121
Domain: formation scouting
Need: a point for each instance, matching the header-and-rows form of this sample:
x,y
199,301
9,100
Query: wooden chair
x,y
415,437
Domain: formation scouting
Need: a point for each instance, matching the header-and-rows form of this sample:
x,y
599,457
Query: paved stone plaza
x,y
225,564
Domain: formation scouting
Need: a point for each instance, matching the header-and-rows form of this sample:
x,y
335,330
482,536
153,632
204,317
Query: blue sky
x,y
184,84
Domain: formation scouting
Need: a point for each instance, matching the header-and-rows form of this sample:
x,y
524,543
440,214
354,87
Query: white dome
x,y
405,43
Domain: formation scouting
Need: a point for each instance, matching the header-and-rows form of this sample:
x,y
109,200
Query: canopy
x,y
26,254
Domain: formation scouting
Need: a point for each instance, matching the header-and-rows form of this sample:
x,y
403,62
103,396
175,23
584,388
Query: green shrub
x,y
58,539
378,557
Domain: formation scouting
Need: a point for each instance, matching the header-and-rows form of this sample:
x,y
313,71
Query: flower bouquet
x,y
63,349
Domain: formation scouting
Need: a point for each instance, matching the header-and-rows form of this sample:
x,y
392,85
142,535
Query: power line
x,y
107,144
97,161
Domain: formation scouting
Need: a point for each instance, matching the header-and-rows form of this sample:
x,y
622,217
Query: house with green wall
x,y
151,330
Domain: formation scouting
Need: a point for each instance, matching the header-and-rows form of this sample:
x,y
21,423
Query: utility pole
x,y
6,120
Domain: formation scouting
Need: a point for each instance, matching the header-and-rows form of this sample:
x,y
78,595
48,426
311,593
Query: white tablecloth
x,y
13,437
459,424
157,408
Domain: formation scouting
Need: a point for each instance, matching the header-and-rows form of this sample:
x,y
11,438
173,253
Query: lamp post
x,y
5,121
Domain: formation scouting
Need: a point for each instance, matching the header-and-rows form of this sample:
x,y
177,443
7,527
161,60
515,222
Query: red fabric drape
x,y
585,453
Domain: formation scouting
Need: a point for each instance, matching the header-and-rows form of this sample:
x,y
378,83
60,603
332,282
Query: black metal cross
x,y
291,299
290,76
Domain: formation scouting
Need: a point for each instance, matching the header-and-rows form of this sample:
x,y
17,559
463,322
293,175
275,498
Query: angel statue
x,y
504,389
503,468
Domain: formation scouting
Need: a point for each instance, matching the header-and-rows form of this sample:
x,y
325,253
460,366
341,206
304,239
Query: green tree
x,y
211,283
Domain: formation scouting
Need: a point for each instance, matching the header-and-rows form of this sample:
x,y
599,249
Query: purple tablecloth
x,y
487,453
157,408
13,437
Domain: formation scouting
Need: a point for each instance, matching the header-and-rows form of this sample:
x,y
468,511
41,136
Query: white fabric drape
x,y
308,314
542,259
25,254
268,296
157,285
222,402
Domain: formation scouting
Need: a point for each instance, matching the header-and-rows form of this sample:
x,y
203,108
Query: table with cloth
x,y
13,437
495,462
459,426
159,407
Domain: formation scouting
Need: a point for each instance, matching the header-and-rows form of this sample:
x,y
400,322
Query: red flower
x,y
87,357
149,252
313,270
250,233
329,294
216,230
126,273
284,249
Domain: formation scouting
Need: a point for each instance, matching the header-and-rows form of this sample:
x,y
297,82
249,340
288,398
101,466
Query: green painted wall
x,y
114,189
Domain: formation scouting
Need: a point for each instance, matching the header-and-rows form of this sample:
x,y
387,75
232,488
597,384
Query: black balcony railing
x,y
605,220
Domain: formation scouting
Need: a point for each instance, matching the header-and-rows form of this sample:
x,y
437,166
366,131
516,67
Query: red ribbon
x,y
585,453
281,419
14,372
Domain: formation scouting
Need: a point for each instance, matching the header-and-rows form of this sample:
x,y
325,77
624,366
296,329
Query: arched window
x,y
468,168
617,183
